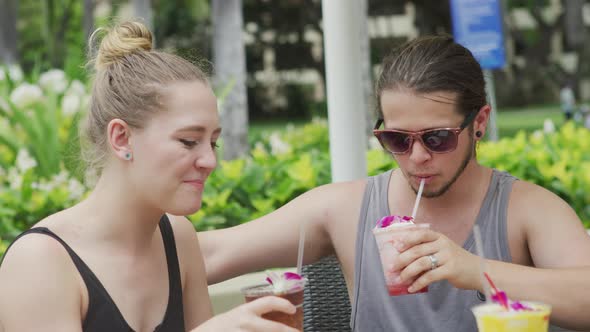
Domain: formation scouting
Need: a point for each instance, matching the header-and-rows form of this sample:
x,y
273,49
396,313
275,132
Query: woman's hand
x,y
248,317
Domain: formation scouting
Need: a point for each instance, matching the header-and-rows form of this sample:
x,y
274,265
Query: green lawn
x,y
509,121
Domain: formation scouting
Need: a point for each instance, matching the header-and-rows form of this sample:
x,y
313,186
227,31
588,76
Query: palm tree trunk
x,y
229,58
8,32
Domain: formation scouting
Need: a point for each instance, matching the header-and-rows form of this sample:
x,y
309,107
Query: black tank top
x,y
103,314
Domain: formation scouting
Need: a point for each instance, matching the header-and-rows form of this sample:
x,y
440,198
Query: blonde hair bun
x,y
121,40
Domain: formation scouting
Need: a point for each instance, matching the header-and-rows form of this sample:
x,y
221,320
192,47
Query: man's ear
x,y
118,133
480,123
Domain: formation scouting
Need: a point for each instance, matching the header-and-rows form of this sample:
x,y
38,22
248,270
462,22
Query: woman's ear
x,y
119,132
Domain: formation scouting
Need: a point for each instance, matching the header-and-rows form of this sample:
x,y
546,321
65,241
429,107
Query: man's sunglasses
x,y
439,140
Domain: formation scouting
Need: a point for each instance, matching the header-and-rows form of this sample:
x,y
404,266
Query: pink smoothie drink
x,y
389,231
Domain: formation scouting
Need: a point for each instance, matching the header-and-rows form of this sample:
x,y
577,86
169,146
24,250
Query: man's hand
x,y
453,263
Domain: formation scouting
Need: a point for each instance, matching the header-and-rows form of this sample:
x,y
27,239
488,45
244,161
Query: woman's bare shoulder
x,y
35,271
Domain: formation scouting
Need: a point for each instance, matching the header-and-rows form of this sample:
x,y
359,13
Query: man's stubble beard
x,y
468,156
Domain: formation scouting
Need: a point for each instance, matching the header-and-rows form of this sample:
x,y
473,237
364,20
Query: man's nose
x,y
418,153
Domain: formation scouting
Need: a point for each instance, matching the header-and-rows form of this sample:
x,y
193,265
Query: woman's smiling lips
x,y
198,184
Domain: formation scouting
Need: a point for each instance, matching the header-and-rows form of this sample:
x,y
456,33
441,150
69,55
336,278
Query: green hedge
x,y
38,132
244,189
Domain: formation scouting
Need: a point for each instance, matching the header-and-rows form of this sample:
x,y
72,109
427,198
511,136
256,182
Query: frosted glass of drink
x,y
294,295
387,238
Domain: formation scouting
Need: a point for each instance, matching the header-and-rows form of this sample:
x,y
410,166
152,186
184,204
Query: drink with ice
x,y
289,286
389,231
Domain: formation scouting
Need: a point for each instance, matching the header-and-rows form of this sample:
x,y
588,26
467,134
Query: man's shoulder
x,y
534,201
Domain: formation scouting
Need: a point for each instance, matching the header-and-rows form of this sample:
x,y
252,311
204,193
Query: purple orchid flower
x,y
388,220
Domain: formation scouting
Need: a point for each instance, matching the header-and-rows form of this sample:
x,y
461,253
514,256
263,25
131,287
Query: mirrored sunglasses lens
x,y
395,142
440,140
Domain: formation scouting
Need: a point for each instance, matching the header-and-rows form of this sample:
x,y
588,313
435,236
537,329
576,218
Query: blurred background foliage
x,y
544,52
44,92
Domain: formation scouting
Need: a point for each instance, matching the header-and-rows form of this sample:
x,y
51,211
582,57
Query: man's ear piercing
x,y
128,155
478,134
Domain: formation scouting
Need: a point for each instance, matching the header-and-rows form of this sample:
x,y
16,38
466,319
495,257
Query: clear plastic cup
x,y
386,239
492,317
293,295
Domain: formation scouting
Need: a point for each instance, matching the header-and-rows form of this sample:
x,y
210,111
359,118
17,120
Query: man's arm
x,y
560,251
269,241
542,225
329,214
40,287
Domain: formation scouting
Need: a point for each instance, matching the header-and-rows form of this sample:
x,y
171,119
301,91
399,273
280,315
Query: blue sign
x,y
477,25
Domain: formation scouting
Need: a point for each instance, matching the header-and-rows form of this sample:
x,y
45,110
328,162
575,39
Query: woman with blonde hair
x,y
123,259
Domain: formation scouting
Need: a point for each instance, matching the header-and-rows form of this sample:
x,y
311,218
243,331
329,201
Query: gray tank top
x,y
444,307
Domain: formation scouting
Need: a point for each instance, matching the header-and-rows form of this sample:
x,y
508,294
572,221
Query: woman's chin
x,y
185,209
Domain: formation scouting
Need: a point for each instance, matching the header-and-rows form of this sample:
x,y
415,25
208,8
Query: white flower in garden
x,y
277,145
77,88
61,178
537,135
76,189
24,161
3,104
54,80
259,146
15,73
548,126
43,186
25,95
2,74
15,178
70,104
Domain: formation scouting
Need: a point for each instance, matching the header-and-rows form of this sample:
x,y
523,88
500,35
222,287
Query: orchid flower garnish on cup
x,y
388,220
283,282
498,296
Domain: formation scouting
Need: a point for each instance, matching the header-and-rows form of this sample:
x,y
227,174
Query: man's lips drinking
x,y
427,178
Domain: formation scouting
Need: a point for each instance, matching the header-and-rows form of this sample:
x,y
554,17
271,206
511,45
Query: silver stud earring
x,y
128,155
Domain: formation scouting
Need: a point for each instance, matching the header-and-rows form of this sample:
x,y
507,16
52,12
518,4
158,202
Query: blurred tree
x,y
51,36
189,33
8,32
432,17
574,22
540,76
229,58
284,36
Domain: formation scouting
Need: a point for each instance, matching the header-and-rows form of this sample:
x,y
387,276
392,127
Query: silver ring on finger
x,y
433,262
